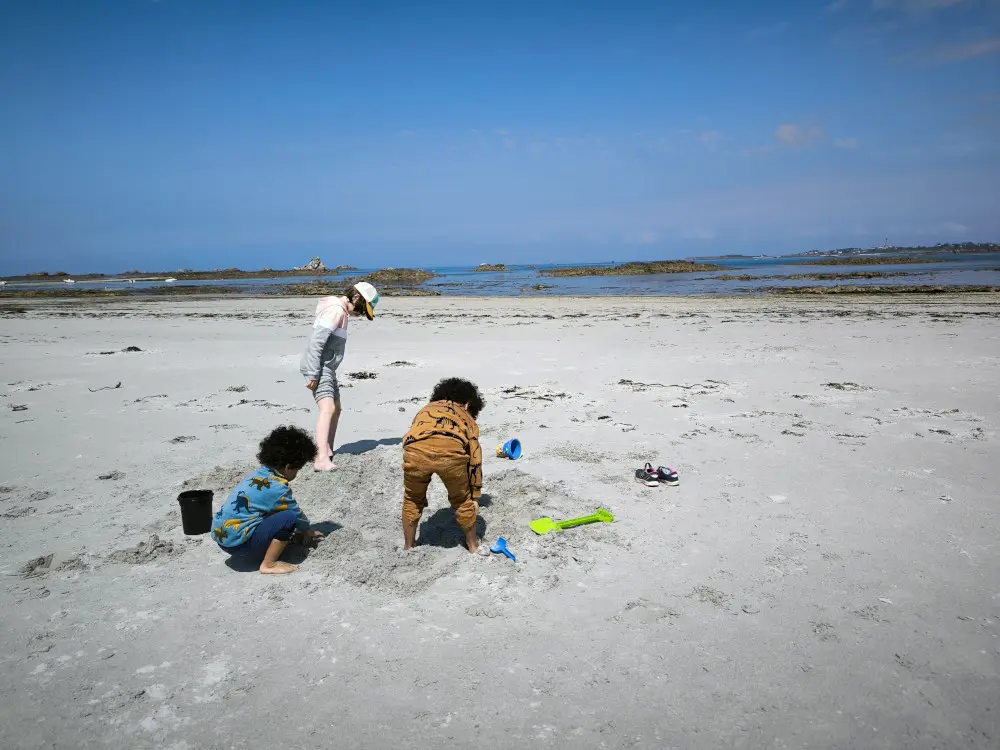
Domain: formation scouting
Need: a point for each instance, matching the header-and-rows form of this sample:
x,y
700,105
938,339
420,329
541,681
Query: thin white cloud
x,y
814,232
711,136
757,150
771,30
969,50
660,146
915,6
953,227
846,143
955,53
701,233
797,136
837,6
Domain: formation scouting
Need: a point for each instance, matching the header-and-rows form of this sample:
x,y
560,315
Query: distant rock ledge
x,y
633,269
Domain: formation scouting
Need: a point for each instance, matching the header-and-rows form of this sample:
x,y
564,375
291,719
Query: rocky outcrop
x,y
395,277
313,265
330,287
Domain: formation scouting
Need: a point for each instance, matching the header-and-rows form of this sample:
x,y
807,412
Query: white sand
x,y
826,575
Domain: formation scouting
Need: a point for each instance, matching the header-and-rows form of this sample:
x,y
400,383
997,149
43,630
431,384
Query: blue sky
x,y
216,133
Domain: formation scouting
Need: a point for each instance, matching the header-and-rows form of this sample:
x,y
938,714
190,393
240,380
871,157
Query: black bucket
x,y
196,511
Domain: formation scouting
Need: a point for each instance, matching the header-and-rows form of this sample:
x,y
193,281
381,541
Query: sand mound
x,y
220,480
359,507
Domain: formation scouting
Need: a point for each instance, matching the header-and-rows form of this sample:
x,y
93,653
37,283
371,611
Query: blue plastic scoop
x,y
500,547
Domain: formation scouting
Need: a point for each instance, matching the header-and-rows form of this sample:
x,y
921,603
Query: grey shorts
x,y
328,386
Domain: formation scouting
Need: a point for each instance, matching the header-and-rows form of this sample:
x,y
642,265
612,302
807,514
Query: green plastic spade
x,y
545,525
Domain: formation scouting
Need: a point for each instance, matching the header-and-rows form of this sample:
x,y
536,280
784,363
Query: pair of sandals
x,y
651,477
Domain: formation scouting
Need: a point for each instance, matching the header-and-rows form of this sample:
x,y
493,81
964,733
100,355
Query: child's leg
x,y
455,476
269,540
416,478
326,420
271,564
334,420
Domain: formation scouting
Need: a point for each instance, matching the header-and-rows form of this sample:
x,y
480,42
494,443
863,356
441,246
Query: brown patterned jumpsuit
x,y
443,440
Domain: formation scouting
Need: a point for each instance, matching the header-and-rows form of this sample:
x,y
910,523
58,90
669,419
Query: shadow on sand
x,y
440,529
363,446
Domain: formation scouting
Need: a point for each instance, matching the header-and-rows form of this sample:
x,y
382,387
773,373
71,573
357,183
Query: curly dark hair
x,y
286,446
461,392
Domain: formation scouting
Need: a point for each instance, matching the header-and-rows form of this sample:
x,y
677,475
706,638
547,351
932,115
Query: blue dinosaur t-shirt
x,y
259,495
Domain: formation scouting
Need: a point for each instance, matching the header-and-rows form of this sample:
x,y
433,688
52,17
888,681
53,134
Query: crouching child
x,y
260,517
444,440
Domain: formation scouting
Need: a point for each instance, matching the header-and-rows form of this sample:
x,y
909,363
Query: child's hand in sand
x,y
308,537
312,385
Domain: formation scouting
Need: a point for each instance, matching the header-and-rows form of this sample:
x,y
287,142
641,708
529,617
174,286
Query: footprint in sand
x,y
644,612
825,631
151,550
18,512
848,386
37,567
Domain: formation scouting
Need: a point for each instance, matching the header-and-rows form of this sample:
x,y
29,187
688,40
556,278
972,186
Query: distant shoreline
x,y
873,290
948,248
891,253
190,275
750,276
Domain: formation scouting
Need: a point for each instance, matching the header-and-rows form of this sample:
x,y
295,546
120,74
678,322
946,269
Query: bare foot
x,y
277,568
327,465
471,541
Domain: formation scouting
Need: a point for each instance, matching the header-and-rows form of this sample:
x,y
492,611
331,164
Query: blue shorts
x,y
278,526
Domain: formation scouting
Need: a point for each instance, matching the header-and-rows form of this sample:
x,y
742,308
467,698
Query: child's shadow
x,y
363,446
440,530
296,554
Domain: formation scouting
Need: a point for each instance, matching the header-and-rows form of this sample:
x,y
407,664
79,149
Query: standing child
x,y
323,356
260,517
444,440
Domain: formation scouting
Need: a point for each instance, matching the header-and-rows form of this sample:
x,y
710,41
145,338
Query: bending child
x,y
444,440
261,517
323,356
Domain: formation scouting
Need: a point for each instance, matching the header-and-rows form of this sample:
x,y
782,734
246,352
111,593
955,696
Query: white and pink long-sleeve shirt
x,y
329,337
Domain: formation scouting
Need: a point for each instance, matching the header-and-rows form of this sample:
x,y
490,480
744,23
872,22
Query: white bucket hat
x,y
371,297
